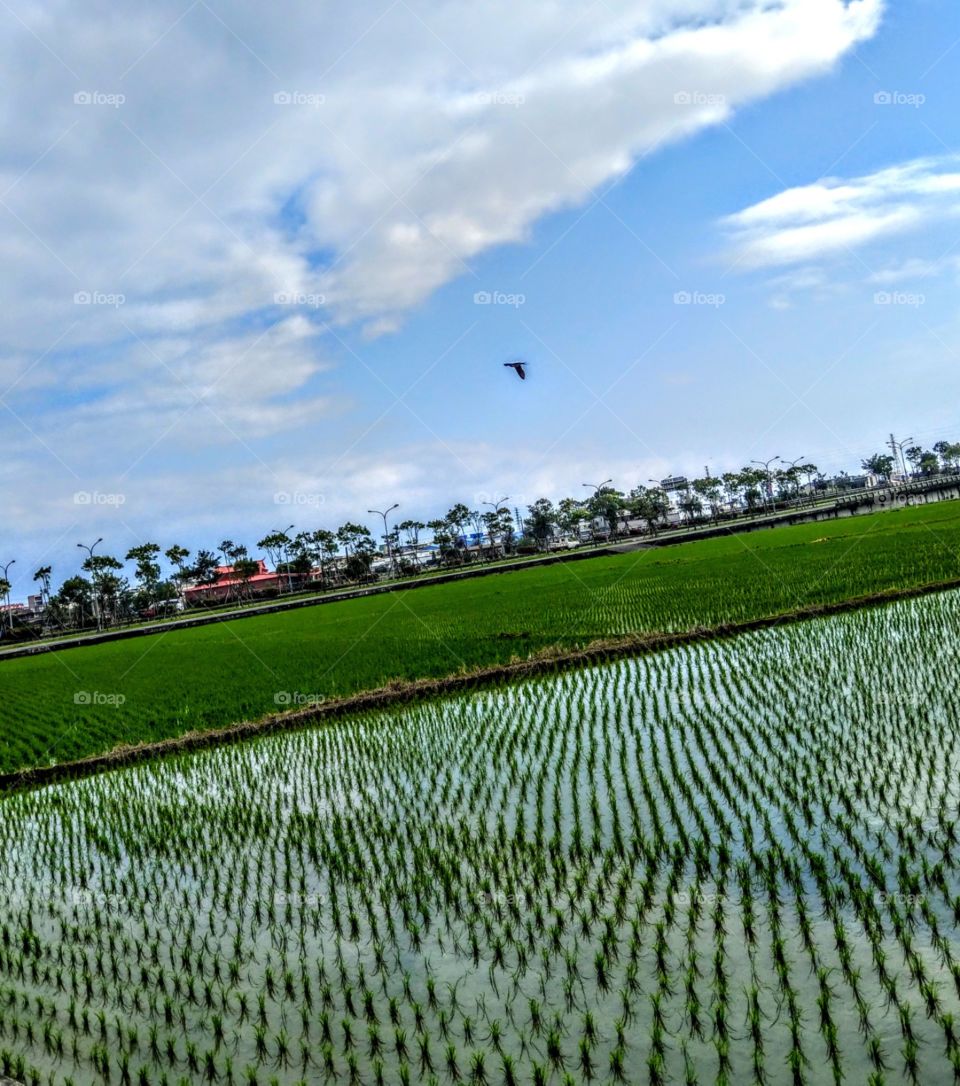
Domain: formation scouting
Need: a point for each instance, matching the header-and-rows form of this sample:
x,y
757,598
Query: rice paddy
x,y
68,704
736,862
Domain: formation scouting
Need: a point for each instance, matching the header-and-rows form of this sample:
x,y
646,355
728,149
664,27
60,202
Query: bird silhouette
x,y
520,367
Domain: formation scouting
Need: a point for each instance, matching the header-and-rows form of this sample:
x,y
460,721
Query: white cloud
x,y
914,269
414,137
836,217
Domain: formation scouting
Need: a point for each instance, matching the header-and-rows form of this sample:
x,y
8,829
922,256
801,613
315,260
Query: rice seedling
x,y
722,863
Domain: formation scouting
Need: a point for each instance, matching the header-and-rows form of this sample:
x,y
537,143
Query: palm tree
x,y
457,520
491,522
204,568
74,594
412,528
177,556
244,569
5,587
101,566
277,546
148,568
324,545
651,505
541,521
358,548
442,537
43,575
476,519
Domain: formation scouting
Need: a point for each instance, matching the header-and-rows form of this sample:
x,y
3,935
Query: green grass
x,y
215,675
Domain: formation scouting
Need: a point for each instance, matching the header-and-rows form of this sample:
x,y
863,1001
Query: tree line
x,y
102,593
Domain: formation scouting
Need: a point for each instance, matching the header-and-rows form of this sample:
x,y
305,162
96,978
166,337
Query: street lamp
x,y
791,464
96,589
7,593
765,464
899,447
597,487
496,507
286,552
386,532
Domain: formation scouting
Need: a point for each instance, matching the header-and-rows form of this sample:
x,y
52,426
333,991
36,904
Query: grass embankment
x,y
68,705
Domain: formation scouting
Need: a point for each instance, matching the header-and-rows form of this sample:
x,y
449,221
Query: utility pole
x,y
896,447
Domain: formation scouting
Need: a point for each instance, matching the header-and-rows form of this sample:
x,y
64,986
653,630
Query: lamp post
x,y
791,464
286,554
898,447
7,593
765,464
496,507
96,587
386,532
597,487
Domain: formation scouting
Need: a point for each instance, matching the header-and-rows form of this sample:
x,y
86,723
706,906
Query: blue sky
x,y
244,249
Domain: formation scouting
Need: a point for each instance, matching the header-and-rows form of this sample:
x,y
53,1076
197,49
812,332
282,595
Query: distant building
x,y
673,483
228,586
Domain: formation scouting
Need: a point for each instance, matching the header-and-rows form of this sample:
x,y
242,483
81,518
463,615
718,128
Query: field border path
x,y
399,693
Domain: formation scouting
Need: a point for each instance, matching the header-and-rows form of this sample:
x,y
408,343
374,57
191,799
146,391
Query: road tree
x,y
879,464
541,522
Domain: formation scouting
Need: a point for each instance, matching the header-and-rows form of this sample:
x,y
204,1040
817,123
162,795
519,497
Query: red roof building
x,y
230,587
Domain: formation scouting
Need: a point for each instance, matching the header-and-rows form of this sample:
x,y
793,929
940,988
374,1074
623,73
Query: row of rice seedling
x,y
730,863
65,705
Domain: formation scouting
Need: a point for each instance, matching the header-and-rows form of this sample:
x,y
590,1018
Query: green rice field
x,y
67,704
735,862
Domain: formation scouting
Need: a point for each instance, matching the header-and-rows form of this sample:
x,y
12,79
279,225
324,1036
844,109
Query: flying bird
x,y
520,367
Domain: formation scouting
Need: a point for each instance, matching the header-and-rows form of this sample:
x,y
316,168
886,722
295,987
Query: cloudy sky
x,y
263,263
